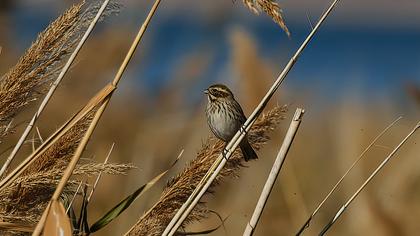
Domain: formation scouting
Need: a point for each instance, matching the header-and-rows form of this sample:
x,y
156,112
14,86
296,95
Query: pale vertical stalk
x,y
39,135
374,173
69,170
74,196
33,143
98,98
308,221
96,118
275,170
100,174
52,89
205,183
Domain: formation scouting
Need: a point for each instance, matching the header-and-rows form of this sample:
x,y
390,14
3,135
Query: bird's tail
x,y
247,151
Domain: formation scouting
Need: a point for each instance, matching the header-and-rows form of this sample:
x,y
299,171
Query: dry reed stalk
x,y
56,136
96,117
100,174
359,158
178,190
40,178
45,172
271,8
212,173
61,151
83,21
70,203
27,80
40,173
374,173
25,199
275,170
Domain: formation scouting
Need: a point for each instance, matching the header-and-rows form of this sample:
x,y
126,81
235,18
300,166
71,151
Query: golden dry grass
x,y
24,200
269,7
180,187
21,85
28,79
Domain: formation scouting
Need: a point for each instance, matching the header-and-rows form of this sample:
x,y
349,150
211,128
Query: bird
x,y
225,117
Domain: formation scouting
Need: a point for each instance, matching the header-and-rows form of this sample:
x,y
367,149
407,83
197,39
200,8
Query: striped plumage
x,y
225,117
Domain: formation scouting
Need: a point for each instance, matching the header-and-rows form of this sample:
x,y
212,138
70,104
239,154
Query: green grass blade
x,y
124,204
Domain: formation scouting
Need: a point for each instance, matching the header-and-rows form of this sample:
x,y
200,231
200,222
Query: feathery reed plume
x,y
42,176
271,8
178,190
60,152
88,16
25,81
95,119
220,162
26,198
30,77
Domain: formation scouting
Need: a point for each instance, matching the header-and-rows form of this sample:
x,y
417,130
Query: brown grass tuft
x,y
178,190
26,198
60,153
31,76
25,81
271,8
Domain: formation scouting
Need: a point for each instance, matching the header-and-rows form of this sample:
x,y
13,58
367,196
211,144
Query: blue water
x,y
376,61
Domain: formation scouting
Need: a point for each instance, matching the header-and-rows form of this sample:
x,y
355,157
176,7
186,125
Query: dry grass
x,y
271,8
28,79
21,85
180,187
26,197
60,153
31,76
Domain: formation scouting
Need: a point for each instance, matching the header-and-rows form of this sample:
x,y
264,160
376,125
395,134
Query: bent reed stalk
x,y
359,158
278,163
374,173
182,213
179,188
96,118
54,86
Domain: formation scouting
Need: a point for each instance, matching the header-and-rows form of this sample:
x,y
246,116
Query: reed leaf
x,y
124,204
57,222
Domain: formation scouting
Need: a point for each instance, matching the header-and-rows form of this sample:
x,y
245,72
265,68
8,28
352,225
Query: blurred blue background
x,y
372,48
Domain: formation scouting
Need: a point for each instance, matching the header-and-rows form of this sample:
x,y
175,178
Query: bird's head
x,y
217,92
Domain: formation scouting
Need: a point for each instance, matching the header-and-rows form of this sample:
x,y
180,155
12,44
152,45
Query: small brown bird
x,y
225,117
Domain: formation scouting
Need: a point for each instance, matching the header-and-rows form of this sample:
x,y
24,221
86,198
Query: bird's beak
x,y
206,91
